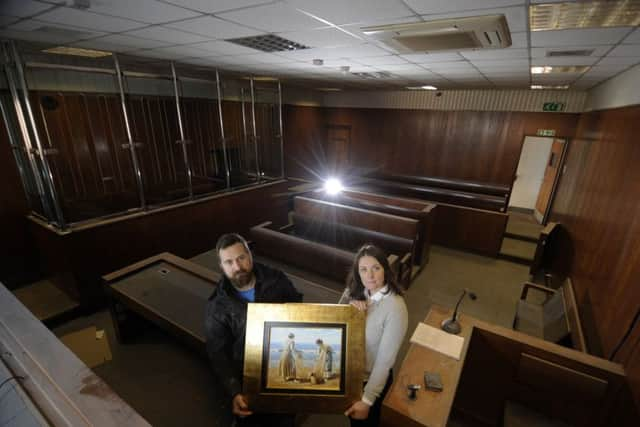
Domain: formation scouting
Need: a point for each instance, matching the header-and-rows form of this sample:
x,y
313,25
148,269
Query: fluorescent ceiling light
x,y
560,69
425,87
550,87
76,51
584,14
262,79
329,89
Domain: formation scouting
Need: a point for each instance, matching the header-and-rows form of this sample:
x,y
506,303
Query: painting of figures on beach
x,y
303,357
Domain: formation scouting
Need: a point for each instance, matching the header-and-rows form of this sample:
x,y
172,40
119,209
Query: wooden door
x,y
550,180
337,149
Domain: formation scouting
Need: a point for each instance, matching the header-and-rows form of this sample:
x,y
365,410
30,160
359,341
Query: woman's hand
x,y
360,305
358,411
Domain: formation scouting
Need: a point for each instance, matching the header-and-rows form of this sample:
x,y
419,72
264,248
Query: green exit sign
x,y
553,106
546,132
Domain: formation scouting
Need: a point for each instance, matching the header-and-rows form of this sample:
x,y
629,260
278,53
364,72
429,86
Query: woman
x,y
288,359
372,287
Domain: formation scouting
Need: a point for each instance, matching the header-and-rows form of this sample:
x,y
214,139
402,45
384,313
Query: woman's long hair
x,y
354,283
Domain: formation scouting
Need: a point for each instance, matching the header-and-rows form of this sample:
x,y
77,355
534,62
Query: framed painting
x,y
303,357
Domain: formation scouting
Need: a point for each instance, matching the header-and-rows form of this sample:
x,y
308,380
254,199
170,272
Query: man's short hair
x,y
231,239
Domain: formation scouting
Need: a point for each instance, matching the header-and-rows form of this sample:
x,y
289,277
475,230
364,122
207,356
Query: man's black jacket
x,y
226,321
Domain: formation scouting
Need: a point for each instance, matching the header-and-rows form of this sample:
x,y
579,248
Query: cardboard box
x,y
90,345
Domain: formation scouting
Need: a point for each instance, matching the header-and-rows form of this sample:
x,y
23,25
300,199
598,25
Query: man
x,y
226,319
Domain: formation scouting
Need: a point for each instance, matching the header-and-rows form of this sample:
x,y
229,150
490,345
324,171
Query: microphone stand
x,y
452,325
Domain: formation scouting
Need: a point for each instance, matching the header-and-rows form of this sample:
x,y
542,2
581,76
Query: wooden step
x,y
517,250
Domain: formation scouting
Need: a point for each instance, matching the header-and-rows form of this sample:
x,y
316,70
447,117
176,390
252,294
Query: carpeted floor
x,y
169,385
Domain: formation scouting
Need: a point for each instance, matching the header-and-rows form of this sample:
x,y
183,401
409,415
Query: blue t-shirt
x,y
249,295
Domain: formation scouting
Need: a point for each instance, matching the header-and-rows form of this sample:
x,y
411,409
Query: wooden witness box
x,y
499,367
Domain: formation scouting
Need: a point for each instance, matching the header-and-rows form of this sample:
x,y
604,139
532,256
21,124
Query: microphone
x,y
452,325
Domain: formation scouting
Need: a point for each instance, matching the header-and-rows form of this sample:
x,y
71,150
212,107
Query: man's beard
x,y
241,279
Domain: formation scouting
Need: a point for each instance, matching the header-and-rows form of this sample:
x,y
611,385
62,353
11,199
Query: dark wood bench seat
x,y
448,183
436,194
421,211
319,258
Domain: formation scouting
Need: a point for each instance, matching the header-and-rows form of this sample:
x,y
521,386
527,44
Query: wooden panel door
x,y
337,150
549,182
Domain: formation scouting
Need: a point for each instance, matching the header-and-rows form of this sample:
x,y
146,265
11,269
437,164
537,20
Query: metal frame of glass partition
x,y
29,141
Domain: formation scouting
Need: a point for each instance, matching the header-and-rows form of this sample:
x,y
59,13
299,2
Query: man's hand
x,y
240,407
360,305
358,411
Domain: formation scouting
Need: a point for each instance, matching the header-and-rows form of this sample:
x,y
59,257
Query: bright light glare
x,y
332,186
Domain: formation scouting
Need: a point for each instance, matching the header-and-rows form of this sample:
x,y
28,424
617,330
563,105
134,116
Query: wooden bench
x,y
394,225
352,238
325,260
421,211
448,183
556,319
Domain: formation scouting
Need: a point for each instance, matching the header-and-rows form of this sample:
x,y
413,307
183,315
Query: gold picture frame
x,y
303,357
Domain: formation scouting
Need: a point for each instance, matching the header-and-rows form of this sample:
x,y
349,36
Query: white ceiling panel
x,y
356,28
167,35
619,60
22,8
100,44
580,37
541,52
566,60
438,7
276,17
149,11
519,40
209,6
69,16
6,20
341,12
503,75
495,54
634,37
213,28
268,58
225,48
37,36
626,50
59,32
406,68
160,54
428,58
183,51
130,41
606,70
516,16
322,37
460,65
510,64
382,60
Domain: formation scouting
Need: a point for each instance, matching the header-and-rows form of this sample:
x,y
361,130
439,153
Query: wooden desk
x,y
498,366
430,408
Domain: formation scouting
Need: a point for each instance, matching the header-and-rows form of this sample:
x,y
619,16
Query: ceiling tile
x,y
149,11
6,20
567,60
356,28
449,65
183,51
225,48
503,75
169,56
606,70
213,28
69,16
276,17
541,52
130,41
40,36
100,44
519,40
168,35
268,58
431,7
496,54
427,58
626,50
56,31
506,64
516,16
322,37
619,60
382,60
22,8
208,6
341,12
634,37
579,37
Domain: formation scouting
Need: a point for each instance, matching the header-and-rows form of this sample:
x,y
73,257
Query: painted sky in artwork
x,y
304,335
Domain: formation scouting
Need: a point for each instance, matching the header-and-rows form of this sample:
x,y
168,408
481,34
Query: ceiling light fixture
x,y
584,14
345,69
318,62
550,87
576,69
76,51
425,87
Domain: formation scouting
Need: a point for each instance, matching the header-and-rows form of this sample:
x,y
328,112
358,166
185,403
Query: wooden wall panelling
x,y
303,147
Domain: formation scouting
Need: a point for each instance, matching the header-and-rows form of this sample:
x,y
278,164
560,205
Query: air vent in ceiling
x,y
583,52
476,32
268,43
